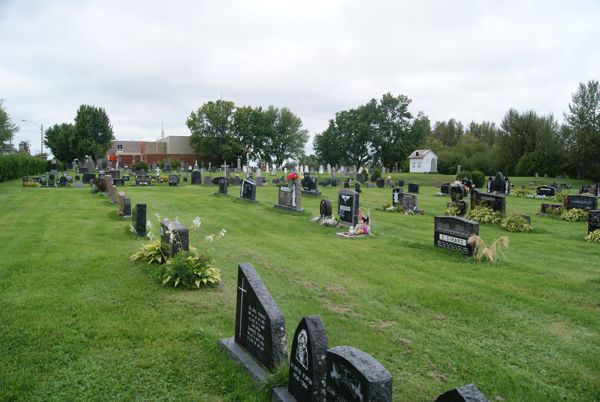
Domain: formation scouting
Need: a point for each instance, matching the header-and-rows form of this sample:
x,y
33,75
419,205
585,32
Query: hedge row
x,y
16,166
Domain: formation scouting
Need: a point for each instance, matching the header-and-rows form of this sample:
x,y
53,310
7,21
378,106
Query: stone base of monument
x,y
243,358
289,208
281,394
311,193
247,200
220,194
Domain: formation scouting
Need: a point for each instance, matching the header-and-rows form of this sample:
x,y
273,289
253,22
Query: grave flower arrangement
x,y
186,269
293,176
362,228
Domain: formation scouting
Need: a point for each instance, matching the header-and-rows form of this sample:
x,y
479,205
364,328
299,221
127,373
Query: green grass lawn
x,y
80,322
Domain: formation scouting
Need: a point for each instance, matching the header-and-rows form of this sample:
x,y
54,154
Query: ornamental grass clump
x,y
516,223
483,214
484,253
575,215
593,237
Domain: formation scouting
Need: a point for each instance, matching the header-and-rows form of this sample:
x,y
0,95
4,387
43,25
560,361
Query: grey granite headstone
x,y
223,186
410,202
259,326
355,376
207,181
139,219
289,197
173,237
466,393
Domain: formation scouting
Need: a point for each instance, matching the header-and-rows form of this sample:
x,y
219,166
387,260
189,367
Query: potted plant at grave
x,y
292,177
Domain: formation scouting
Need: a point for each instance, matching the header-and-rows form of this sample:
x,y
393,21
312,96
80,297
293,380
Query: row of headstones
x,y
118,197
316,371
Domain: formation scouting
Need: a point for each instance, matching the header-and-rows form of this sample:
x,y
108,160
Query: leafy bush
x,y
485,253
523,193
190,271
141,165
452,211
15,166
593,237
575,215
31,184
376,173
476,176
560,196
150,253
516,223
483,214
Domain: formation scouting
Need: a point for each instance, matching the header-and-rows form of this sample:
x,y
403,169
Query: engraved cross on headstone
x,y
241,305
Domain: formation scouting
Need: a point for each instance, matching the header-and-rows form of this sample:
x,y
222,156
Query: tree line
x,y
384,133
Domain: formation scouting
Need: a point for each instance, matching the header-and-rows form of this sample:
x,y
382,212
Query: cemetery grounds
x,y
80,322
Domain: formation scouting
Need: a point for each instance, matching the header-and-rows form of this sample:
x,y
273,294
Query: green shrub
x,y
376,173
575,215
190,271
16,166
516,223
560,197
593,237
523,193
31,184
150,253
483,214
141,165
452,211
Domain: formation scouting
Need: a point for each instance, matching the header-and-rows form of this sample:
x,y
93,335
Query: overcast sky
x,y
144,61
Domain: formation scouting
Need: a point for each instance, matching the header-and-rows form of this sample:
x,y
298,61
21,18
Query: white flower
x,y
222,232
157,216
196,223
150,236
149,225
132,229
176,220
209,238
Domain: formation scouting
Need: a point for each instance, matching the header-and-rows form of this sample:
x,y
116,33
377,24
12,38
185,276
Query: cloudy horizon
x,y
152,62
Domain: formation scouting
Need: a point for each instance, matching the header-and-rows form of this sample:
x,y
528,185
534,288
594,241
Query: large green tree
x,y
60,138
582,131
7,128
530,144
393,140
448,132
328,145
212,131
93,132
287,139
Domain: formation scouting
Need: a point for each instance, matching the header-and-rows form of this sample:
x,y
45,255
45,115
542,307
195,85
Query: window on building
x,y
418,164
119,147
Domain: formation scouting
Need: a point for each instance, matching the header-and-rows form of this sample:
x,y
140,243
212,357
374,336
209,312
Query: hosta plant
x,y
593,237
483,214
452,211
486,253
189,271
575,215
516,223
150,253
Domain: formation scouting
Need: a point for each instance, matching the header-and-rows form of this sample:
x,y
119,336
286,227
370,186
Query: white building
x,y
423,161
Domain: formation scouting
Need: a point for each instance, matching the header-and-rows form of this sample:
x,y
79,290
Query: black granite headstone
x,y
248,190
358,187
173,180
466,393
355,376
196,177
453,233
400,183
380,182
348,204
138,218
51,180
173,237
413,188
585,202
546,191
259,323
126,209
445,188
325,208
223,186
457,192
496,201
593,220
306,381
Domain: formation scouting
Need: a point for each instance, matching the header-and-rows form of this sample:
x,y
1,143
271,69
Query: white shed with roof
x,y
423,161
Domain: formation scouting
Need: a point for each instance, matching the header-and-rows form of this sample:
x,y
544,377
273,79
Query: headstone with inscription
x,y
496,201
290,197
309,185
546,191
348,204
306,381
445,188
259,341
585,202
453,233
410,202
173,180
173,237
196,177
248,190
355,376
